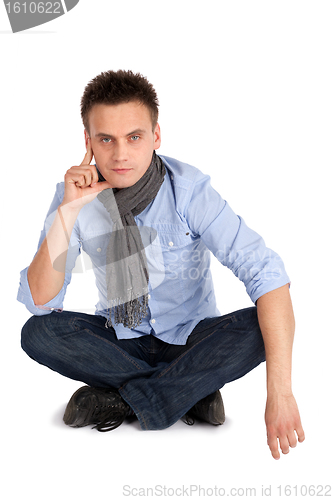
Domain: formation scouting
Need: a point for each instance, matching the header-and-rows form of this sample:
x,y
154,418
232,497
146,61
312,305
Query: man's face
x,y
122,141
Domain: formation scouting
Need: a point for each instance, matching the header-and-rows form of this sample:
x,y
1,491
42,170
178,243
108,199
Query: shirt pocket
x,y
166,252
95,246
172,236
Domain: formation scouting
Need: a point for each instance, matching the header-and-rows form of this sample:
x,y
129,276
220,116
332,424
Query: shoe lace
x,y
109,417
188,419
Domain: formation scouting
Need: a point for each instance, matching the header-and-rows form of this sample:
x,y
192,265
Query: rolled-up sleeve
x,y
24,293
233,243
24,296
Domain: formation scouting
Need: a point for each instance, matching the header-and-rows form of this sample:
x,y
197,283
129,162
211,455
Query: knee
x,y
31,336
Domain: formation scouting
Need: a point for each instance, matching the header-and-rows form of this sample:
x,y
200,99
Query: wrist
x,y
67,216
277,388
69,209
278,378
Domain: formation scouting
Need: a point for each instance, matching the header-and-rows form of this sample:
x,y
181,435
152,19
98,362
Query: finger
x,y
100,186
89,154
300,433
81,178
284,445
85,180
273,446
94,179
292,440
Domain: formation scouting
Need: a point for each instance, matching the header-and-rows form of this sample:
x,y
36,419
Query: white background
x,y
245,90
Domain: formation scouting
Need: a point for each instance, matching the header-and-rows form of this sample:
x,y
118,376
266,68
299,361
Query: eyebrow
x,y
136,131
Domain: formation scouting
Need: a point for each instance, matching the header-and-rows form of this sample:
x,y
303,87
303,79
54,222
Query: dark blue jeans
x,y
159,381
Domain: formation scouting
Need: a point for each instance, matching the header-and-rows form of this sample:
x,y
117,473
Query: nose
x,y
119,152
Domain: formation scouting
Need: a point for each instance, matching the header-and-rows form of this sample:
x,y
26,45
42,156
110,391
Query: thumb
x,y
100,186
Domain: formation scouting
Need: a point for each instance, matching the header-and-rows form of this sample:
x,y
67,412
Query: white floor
x,y
43,458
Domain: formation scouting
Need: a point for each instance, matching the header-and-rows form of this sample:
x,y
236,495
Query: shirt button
x,y
99,249
170,243
153,321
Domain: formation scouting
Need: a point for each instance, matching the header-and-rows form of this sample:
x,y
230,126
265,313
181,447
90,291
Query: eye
x,y
135,138
106,140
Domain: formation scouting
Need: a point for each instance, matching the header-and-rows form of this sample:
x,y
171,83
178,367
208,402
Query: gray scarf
x,y
127,274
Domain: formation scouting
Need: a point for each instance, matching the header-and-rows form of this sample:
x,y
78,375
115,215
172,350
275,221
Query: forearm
x,y
46,273
277,324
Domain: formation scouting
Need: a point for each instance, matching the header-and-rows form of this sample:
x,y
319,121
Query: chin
x,y
122,185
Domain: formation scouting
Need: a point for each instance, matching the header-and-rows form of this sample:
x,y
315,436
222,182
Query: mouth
x,y
121,171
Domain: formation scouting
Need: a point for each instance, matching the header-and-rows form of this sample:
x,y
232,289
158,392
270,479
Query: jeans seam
x,y
115,347
184,353
229,318
72,322
122,388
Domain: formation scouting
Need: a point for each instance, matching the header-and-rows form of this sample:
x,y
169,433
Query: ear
x,y
86,137
157,136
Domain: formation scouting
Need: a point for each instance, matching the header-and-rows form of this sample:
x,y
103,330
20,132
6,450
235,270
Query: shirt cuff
x,y
269,286
24,296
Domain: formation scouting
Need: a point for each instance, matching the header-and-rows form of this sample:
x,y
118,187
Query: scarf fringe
x,y
130,314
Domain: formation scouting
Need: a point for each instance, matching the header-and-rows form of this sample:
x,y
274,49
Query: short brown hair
x,y
118,87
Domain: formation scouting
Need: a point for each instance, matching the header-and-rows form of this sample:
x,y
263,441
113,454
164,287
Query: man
x,y
157,347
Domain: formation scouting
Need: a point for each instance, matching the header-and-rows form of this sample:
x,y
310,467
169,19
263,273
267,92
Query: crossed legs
x,y
160,382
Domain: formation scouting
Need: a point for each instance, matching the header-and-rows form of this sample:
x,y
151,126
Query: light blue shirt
x,y
191,220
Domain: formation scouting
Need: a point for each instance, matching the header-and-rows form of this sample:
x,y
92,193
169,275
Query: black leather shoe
x,y
209,409
100,406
